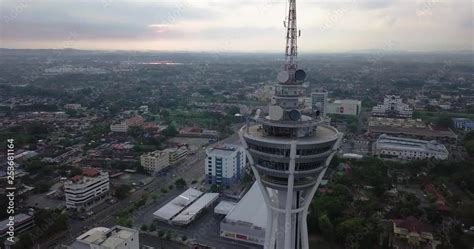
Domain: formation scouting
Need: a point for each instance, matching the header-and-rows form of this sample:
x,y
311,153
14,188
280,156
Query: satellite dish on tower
x,y
300,74
273,101
275,112
295,115
283,76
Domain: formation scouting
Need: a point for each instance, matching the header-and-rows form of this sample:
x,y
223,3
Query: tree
x,y
41,186
75,171
152,227
445,122
125,220
144,227
136,131
469,136
24,241
326,227
122,191
216,188
170,131
469,146
180,183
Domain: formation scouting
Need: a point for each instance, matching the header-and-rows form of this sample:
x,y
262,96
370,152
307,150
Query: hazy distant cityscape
x,y
80,116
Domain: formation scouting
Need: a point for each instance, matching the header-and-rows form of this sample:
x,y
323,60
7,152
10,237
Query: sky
x,y
237,25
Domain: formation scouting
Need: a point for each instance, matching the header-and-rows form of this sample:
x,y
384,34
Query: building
x,y
72,106
409,149
123,126
190,213
176,154
247,220
225,164
136,120
120,127
87,190
319,102
117,237
155,161
345,107
463,124
184,208
409,127
413,234
22,223
288,151
392,106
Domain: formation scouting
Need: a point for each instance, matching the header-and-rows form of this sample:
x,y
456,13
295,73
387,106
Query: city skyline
x,y
218,26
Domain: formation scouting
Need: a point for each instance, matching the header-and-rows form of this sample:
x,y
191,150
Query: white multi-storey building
x,y
409,149
345,107
176,154
87,190
120,127
117,237
225,164
392,106
155,161
319,102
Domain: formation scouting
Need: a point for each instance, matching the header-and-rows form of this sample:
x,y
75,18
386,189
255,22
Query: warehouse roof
x,y
176,205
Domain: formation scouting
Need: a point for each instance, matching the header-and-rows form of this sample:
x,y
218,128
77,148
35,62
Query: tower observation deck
x,y
288,151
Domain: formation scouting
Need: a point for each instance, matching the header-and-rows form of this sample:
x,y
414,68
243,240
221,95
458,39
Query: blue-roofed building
x,y
463,124
224,164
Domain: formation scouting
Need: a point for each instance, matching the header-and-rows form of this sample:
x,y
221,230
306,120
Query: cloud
x,y
249,25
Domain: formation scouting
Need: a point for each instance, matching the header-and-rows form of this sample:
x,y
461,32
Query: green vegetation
x,y
216,188
48,223
469,143
25,134
123,191
155,195
170,131
125,220
444,121
180,183
98,131
434,116
353,207
351,122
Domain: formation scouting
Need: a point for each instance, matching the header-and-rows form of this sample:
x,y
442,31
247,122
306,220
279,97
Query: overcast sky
x,y
237,25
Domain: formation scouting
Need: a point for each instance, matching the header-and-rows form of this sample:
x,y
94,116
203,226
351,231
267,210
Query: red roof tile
x,y
412,224
89,171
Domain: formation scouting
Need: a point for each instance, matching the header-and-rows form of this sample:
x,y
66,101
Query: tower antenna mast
x,y
291,51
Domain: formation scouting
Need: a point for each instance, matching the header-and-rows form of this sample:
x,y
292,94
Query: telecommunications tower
x,y
289,151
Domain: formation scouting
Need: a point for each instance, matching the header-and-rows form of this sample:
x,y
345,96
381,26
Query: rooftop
x,y
187,214
398,142
412,224
19,218
224,207
223,149
322,134
109,238
250,209
175,206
